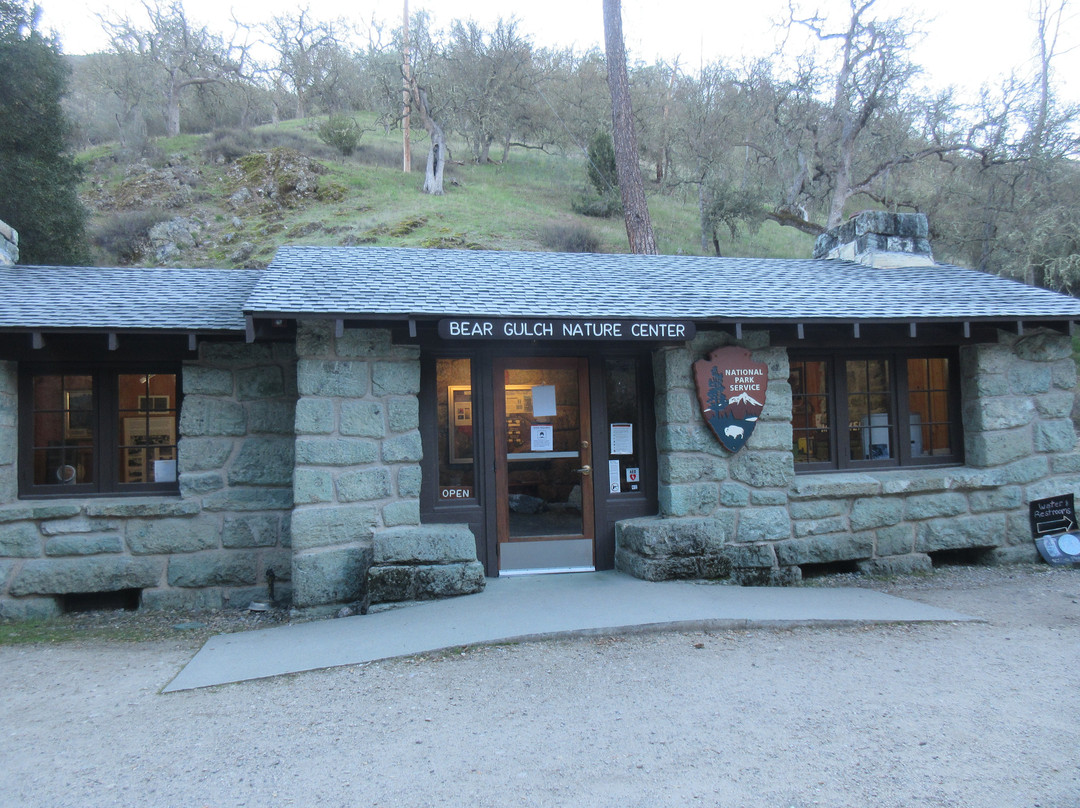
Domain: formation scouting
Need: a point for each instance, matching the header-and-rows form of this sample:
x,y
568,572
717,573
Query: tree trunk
x,y
635,207
436,159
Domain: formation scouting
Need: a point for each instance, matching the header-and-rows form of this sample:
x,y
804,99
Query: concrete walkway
x,y
533,607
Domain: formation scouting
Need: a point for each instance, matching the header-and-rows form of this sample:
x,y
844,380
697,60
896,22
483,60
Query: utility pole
x,y
406,92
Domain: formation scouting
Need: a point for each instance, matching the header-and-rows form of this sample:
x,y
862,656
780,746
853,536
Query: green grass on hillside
x,y
506,206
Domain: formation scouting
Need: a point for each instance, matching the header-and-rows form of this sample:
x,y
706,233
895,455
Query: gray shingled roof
x,y
112,299
375,281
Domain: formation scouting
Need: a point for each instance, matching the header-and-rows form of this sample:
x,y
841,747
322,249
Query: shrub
x,y
126,234
570,238
598,207
342,133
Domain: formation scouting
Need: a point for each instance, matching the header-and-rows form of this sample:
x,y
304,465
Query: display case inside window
x,y
147,427
811,422
455,424
63,434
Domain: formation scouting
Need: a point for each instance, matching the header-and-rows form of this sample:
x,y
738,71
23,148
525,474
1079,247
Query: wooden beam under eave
x,y
799,331
855,330
249,329
37,340
339,328
114,341
967,330
412,328
738,330
192,342
912,330
1019,328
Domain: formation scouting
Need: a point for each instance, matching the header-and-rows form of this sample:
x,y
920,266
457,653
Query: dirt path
x,y
979,715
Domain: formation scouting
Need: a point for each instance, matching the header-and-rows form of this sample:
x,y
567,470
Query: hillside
x,y
229,199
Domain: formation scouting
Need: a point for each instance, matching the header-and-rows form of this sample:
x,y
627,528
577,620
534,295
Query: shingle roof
x,y
367,281
113,299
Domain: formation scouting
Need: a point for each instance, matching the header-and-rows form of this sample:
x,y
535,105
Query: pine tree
x,y
38,176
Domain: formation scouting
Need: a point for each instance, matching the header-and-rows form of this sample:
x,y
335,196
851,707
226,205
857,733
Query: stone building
x,y
402,423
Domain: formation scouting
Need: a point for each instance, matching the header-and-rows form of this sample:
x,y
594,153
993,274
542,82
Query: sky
x,y
967,42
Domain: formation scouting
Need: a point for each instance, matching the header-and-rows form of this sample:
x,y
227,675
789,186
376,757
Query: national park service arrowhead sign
x,y
731,391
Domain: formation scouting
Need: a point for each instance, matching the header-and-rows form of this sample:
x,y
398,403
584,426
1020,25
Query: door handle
x,y
584,471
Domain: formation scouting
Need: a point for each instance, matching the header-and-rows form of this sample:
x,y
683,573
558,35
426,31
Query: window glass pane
x,y
811,440
624,425
63,429
146,427
869,397
928,404
453,381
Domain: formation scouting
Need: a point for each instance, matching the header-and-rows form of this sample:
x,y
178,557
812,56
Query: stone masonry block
x,y
651,537
333,525
928,506
678,406
193,485
204,381
395,378
404,414
318,451
213,568
249,499
364,343
29,608
312,485
314,416
363,419
998,499
825,549
334,576
409,479
260,382
763,524
20,540
62,576
868,513
764,469
449,580
1043,347
84,544
405,448
1063,374
1001,413
127,508
332,379
1030,379
985,530
818,527
364,484
204,454
272,417
1055,436
1058,404
402,512
263,461
211,417
251,530
817,508
153,536
697,499
912,563
234,353
997,448
314,337
895,540
424,544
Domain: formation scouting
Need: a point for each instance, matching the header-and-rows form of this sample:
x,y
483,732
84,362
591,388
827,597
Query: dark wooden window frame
x,y
105,429
837,396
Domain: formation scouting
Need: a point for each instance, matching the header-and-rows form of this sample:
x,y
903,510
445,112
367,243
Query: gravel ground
x,y
970,715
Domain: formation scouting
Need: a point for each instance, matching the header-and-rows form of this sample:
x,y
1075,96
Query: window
x,y
95,430
456,447
874,410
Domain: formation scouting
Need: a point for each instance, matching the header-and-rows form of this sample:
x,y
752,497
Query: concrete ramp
x,y
534,607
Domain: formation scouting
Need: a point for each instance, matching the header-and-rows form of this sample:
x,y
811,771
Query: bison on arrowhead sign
x,y
731,390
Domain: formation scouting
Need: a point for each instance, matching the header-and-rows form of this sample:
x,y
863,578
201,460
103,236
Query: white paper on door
x,y
543,401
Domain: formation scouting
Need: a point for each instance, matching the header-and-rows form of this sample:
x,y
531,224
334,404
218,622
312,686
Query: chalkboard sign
x,y
1052,515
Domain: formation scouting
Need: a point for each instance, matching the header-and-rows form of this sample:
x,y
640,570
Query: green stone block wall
x,y
210,547
358,453
1020,445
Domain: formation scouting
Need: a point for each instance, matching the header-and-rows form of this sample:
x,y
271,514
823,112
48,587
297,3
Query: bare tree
x,y
181,54
635,207
305,49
